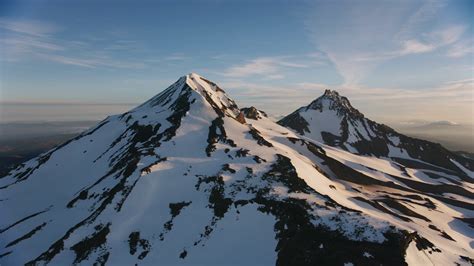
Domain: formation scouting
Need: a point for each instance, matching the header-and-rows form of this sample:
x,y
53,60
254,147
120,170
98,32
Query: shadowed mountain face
x,y
189,178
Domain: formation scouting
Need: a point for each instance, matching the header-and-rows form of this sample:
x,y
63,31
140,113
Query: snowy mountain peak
x,y
331,119
332,100
202,85
194,88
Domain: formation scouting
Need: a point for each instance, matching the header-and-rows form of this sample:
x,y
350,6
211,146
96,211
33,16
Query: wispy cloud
x,y
423,14
29,27
268,67
15,47
68,60
448,35
32,40
176,57
461,49
370,34
462,81
90,62
123,45
26,37
259,66
433,40
414,47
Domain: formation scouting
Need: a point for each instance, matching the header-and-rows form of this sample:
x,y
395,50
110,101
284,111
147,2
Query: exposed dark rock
x,y
181,107
133,239
183,254
5,254
424,244
299,240
295,122
214,85
241,118
258,137
135,242
445,235
227,168
175,208
218,201
467,259
242,153
253,113
22,220
26,236
91,243
392,203
216,134
284,172
379,207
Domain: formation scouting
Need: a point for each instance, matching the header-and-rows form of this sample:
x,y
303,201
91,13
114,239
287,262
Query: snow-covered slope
x,y
188,178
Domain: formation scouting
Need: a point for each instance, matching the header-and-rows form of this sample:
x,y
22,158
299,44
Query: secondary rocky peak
x,y
332,100
331,93
253,113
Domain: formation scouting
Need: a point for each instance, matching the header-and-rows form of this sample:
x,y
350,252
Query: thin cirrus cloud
x,y
31,40
268,67
26,38
435,40
461,49
90,62
258,66
365,37
29,27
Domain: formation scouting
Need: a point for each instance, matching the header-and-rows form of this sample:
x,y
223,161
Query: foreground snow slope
x,y
189,178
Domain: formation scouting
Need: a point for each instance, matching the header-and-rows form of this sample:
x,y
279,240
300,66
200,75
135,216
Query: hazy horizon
x,y
17,112
23,121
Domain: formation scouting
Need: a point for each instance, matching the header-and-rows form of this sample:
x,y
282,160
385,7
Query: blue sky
x,y
396,60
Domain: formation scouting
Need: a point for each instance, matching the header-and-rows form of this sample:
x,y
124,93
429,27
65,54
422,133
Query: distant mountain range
x,y
190,178
454,136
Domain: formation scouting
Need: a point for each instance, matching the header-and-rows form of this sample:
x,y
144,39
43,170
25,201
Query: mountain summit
x,y
188,88
331,119
331,100
189,178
